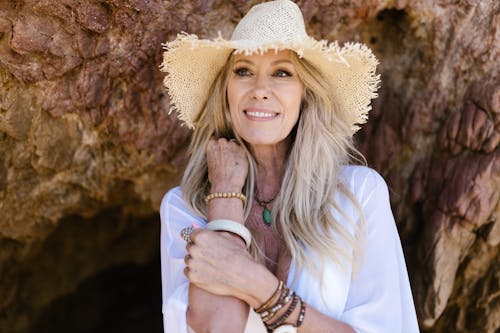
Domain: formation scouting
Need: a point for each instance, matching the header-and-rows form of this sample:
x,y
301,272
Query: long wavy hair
x,y
303,209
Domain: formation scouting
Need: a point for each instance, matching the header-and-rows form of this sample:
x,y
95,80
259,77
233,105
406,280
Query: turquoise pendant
x,y
266,216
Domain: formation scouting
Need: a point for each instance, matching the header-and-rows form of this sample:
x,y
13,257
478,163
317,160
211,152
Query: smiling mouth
x,y
257,114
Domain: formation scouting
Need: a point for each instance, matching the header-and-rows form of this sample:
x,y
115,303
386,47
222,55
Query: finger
x,y
195,234
232,142
211,144
191,275
235,143
187,258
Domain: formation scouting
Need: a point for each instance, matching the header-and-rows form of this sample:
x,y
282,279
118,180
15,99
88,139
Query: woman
x,y
271,229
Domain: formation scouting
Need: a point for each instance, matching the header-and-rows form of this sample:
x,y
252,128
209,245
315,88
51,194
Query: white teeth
x,y
260,114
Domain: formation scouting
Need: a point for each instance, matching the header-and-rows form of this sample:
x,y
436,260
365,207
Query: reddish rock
x,y
87,147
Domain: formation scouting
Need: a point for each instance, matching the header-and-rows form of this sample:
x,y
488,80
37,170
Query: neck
x,y
270,168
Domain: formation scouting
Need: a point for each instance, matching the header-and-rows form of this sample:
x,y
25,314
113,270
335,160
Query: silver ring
x,y
186,234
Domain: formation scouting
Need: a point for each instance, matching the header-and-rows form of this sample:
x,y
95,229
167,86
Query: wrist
x,y
263,285
225,188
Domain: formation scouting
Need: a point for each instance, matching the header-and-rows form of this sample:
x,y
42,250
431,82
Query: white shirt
x,y
376,299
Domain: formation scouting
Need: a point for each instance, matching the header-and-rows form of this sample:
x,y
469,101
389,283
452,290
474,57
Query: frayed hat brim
x,y
191,66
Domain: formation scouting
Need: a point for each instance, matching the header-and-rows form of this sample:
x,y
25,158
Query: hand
x,y
219,263
227,165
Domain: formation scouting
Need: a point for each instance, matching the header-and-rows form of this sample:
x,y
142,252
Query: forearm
x,y
213,313
208,312
316,322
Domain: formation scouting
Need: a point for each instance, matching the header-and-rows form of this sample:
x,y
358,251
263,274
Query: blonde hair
x,y
304,206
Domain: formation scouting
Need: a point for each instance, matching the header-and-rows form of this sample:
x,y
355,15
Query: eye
x,y
282,73
241,71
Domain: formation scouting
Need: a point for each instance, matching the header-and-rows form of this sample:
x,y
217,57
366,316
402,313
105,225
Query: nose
x,y
261,89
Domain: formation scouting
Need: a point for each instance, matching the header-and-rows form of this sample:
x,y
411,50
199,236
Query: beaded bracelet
x,y
268,314
226,195
302,313
287,314
273,307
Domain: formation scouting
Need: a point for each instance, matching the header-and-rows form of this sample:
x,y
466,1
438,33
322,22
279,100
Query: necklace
x,y
266,213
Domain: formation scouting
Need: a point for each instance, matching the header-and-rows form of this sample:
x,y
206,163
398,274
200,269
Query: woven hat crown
x,y
270,22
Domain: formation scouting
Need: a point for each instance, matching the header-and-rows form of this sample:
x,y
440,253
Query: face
x,y
264,94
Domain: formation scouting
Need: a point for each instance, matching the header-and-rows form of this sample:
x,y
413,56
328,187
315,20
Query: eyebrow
x,y
276,62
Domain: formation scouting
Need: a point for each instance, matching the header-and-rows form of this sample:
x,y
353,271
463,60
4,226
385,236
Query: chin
x,y
262,141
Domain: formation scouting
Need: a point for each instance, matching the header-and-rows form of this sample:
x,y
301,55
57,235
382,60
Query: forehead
x,y
268,56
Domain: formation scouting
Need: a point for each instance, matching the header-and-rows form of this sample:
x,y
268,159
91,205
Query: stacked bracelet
x,y
287,314
232,227
282,298
302,313
285,297
226,195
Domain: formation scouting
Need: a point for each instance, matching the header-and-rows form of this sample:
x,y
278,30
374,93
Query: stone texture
x,y
87,147
84,128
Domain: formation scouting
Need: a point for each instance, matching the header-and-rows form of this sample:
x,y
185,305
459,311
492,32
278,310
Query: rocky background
x,y
87,149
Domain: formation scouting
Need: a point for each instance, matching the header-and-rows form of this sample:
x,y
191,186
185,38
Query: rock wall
x,y
87,147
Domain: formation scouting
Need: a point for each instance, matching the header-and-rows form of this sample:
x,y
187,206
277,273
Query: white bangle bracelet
x,y
233,227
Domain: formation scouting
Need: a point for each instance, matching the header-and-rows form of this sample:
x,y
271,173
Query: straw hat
x,y
192,64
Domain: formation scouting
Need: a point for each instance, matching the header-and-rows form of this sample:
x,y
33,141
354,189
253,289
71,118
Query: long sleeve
x,y
379,297
174,217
